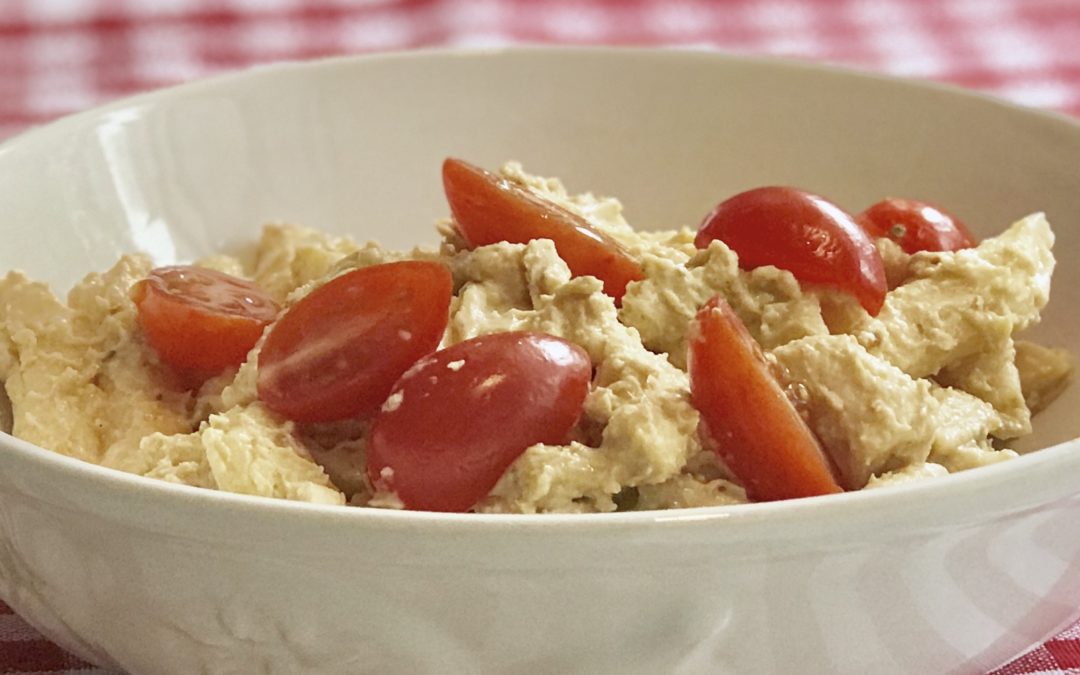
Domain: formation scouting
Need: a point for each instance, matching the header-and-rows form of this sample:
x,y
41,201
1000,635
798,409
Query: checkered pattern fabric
x,y
59,56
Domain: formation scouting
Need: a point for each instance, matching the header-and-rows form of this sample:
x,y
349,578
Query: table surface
x,y
60,56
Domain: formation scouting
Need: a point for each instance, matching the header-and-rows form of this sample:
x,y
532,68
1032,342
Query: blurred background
x,y
62,56
59,56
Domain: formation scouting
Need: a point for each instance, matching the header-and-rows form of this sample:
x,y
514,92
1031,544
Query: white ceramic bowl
x,y
954,575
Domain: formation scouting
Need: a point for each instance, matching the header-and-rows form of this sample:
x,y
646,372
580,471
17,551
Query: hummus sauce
x,y
936,383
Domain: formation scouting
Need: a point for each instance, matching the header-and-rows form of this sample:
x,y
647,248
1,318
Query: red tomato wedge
x,y
916,226
460,417
745,416
490,209
199,320
337,352
803,233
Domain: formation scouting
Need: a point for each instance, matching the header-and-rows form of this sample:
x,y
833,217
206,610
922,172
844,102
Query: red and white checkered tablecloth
x,y
59,56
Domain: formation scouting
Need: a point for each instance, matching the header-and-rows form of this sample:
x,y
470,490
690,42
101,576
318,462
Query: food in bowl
x,y
547,357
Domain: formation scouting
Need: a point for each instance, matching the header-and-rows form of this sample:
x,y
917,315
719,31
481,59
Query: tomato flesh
x,y
490,209
746,417
461,416
916,226
199,320
336,353
803,233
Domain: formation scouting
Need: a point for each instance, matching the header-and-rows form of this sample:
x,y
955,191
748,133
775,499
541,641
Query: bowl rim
x,y
537,51
880,505
1045,464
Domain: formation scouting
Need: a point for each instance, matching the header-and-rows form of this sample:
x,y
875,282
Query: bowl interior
x,y
355,145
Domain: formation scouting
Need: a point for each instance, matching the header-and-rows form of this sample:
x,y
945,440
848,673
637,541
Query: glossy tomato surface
x,y
916,226
803,233
457,420
490,209
200,320
337,352
746,417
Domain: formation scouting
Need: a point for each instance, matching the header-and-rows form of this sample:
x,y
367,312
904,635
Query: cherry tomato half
x,y
490,209
337,352
460,417
803,233
745,416
200,320
915,225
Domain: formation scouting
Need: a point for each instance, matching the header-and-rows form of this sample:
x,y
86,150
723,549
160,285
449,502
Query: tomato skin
x,y
489,209
461,416
803,233
198,320
337,352
916,226
745,416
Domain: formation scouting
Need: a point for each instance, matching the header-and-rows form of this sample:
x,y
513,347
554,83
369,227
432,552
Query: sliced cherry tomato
x,y
460,417
490,209
337,352
915,225
745,416
803,233
199,320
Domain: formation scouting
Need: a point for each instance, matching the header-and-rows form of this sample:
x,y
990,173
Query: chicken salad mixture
x,y
548,357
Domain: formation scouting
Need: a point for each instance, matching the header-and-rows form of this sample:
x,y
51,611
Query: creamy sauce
x,y
936,383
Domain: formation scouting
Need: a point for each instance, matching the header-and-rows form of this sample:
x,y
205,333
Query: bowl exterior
x,y
149,578
166,591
